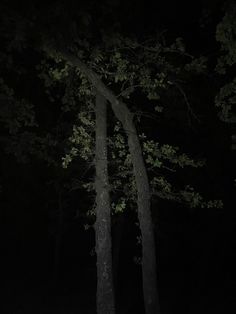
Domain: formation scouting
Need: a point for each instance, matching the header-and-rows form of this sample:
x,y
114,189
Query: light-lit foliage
x,y
131,68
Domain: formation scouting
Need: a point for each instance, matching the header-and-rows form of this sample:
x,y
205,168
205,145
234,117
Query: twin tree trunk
x,y
105,291
123,114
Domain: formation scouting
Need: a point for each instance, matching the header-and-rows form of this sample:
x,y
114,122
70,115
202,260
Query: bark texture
x,y
105,291
58,236
117,237
149,273
123,114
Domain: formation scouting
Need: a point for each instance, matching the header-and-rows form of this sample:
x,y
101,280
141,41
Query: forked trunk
x,y
124,115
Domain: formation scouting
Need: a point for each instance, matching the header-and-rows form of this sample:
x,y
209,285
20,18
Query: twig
x,y
192,113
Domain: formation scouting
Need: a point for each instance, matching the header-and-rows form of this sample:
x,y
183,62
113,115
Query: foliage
x,y
139,72
15,113
225,35
131,68
82,140
17,120
226,100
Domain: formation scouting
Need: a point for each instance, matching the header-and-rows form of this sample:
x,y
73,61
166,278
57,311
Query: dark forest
x,y
117,157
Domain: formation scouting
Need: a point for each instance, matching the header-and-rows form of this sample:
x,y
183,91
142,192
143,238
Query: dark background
x,y
196,249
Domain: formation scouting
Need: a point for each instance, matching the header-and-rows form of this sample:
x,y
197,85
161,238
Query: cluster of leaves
x,y
226,101
156,155
18,124
15,113
188,196
64,84
165,158
82,139
225,35
195,199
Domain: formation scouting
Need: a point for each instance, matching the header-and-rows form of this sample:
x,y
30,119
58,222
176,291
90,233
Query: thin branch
x,y
190,110
127,89
147,115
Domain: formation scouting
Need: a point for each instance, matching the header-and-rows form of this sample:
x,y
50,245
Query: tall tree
x,y
143,191
125,116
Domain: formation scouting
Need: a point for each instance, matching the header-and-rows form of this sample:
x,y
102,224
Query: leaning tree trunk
x,y
105,291
123,114
149,273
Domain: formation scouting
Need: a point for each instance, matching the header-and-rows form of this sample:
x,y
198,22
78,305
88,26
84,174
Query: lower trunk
x,y
105,292
118,229
58,239
57,251
149,273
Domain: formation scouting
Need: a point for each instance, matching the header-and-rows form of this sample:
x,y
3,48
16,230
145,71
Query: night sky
x,y
195,247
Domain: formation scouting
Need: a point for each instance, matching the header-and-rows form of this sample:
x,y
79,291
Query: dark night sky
x,y
197,249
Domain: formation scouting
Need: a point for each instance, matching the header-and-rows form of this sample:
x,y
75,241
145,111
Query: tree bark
x,y
105,291
149,273
58,237
123,114
117,235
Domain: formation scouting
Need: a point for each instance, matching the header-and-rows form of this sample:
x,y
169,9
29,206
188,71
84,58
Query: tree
x,y
148,243
124,115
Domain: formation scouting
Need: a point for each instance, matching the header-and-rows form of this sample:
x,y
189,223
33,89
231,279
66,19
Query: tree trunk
x,y
149,273
124,115
117,235
58,237
105,291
